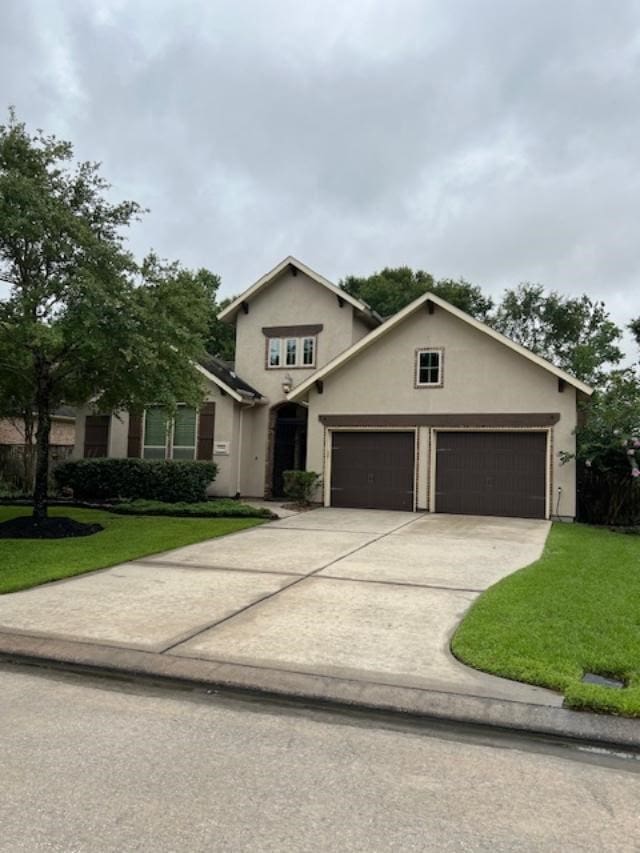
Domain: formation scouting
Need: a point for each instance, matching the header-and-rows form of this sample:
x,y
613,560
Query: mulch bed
x,y
24,527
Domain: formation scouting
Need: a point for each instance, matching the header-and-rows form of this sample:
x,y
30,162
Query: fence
x,y
15,468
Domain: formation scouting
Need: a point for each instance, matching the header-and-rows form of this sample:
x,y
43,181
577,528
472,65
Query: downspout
x,y
239,465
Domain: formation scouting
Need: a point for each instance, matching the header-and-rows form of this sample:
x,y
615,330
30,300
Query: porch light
x,y
287,383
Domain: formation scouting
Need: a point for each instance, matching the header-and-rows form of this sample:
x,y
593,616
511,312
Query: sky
x,y
497,140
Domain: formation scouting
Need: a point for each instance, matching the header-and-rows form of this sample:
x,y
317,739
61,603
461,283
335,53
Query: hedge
x,y
219,508
104,479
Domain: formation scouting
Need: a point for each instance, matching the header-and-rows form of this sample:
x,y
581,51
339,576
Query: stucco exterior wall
x,y
254,451
481,376
291,301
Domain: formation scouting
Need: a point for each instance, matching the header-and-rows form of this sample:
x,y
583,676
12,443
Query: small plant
x,y
299,486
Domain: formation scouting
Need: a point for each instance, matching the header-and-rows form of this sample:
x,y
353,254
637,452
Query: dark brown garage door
x,y
491,473
373,470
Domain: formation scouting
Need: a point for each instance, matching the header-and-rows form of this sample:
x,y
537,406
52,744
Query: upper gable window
x,y
429,368
292,352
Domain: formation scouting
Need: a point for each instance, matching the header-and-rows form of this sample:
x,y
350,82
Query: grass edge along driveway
x,y
575,610
28,562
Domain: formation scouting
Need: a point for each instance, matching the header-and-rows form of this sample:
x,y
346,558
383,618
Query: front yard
x,y
576,610
29,562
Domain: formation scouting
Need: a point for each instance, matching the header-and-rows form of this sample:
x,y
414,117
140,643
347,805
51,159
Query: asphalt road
x,y
96,765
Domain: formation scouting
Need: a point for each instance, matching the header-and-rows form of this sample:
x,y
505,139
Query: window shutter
x,y
134,439
206,423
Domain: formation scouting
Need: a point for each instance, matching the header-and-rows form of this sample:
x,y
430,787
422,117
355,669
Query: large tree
x,y
574,333
634,325
389,290
83,321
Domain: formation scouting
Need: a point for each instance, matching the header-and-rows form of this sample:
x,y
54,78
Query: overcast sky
x,y
497,140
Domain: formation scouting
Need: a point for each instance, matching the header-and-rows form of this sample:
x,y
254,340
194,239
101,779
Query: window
x,y
291,352
274,352
184,434
291,346
429,368
308,351
165,439
155,433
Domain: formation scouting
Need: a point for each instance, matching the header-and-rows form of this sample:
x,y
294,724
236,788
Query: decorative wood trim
x,y
292,331
504,420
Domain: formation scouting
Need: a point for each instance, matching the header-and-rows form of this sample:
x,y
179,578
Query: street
x,y
91,764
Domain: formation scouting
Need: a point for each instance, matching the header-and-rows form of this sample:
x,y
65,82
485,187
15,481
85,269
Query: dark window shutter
x,y
206,424
96,435
134,439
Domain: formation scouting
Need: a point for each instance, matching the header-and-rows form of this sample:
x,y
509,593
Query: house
x,y
430,410
63,429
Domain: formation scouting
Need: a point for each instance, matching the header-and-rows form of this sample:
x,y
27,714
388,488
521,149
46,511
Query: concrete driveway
x,y
363,595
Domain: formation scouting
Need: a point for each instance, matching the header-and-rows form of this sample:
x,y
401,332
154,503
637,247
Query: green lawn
x,y
29,562
576,610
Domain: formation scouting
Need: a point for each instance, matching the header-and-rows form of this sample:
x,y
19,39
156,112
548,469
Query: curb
x,y
515,717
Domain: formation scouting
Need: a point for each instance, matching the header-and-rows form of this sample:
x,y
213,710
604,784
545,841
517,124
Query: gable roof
x,y
367,314
410,309
227,379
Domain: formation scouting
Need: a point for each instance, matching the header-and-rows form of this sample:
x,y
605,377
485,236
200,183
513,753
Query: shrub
x,y
220,508
299,486
103,479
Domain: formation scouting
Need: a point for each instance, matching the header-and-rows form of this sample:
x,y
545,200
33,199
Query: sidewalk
x,y
344,607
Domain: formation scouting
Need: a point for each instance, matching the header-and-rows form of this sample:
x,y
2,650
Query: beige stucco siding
x,y
254,451
481,376
291,301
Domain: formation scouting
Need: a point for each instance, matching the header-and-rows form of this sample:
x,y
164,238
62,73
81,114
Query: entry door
x,y
491,473
372,470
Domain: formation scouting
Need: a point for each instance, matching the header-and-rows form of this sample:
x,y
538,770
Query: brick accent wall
x,y
63,432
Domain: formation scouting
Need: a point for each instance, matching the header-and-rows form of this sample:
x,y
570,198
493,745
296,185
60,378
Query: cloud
x,y
495,141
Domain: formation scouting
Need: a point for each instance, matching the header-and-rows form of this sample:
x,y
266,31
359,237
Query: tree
x,y
83,320
221,337
634,325
576,334
388,291
608,451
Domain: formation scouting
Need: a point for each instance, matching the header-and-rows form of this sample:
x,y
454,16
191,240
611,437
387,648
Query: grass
x,y
220,508
576,610
29,562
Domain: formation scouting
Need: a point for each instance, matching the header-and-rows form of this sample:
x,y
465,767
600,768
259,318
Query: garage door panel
x,y
485,473
372,470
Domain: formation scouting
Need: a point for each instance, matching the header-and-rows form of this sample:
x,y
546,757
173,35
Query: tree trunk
x,y
41,488
27,459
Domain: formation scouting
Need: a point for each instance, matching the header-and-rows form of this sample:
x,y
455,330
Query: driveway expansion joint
x,y
264,598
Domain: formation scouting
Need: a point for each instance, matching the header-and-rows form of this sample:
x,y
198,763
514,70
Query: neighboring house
x,y
63,429
430,410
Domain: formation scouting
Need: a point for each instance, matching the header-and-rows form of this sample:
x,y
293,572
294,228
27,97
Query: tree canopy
x,y
83,320
391,289
574,333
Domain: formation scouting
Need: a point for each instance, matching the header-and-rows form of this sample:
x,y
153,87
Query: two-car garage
x,y
477,472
